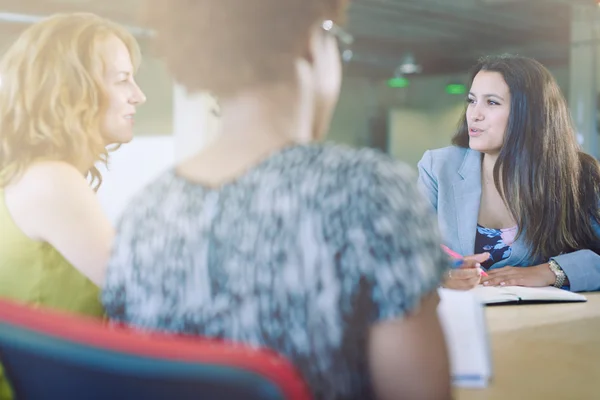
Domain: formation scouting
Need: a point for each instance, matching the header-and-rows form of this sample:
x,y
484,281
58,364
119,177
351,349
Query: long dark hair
x,y
548,184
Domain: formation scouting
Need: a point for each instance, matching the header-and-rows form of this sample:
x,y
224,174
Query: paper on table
x,y
521,294
463,321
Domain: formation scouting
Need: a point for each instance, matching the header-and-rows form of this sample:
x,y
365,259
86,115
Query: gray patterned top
x,y
301,254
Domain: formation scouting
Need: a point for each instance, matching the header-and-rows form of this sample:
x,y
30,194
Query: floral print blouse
x,y
497,242
302,254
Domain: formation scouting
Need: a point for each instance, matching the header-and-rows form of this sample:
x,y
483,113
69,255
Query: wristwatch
x,y
558,271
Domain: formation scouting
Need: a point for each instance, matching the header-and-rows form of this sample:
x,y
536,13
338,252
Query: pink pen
x,y
457,256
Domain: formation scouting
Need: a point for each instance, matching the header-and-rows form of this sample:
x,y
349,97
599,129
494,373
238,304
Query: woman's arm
x,y
52,202
582,268
407,357
395,245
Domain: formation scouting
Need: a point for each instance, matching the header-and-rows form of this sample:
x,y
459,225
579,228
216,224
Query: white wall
x,y
358,101
425,119
131,168
155,117
413,131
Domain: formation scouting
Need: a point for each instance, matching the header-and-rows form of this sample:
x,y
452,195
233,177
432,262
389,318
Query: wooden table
x,y
543,351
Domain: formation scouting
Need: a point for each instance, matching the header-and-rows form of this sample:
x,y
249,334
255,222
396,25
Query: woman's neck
x,y
273,112
84,164
487,167
253,126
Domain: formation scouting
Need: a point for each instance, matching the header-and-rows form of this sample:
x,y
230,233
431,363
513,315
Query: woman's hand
x,y
468,275
535,276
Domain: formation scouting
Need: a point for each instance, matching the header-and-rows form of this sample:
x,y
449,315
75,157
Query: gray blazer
x,y
451,179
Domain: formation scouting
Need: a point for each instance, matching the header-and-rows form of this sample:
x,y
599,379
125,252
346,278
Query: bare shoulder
x,y
52,202
49,178
48,188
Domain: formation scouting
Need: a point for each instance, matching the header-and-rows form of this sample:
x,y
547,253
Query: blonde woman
x,y
67,92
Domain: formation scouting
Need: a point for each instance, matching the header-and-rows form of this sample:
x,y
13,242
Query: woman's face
x,y
123,93
488,112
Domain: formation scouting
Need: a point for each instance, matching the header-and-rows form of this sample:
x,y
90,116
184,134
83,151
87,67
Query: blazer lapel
x,y
467,196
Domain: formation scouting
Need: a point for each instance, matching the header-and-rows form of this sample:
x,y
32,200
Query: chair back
x,y
49,354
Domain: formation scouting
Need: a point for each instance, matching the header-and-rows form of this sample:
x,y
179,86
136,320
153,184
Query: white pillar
x,y
194,122
582,70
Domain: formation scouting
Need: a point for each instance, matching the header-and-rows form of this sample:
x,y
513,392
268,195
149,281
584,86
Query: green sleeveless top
x,y
35,273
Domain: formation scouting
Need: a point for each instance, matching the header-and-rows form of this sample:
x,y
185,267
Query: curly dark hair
x,y
223,46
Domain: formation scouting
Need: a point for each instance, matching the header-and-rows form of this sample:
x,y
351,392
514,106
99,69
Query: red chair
x,y
53,355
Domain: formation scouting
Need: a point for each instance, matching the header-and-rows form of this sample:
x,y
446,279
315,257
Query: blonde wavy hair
x,y
52,97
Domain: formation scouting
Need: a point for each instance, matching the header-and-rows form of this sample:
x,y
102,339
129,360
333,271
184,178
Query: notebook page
x,y
494,294
502,294
463,322
545,293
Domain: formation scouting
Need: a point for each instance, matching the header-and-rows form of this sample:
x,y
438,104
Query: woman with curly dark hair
x,y
323,253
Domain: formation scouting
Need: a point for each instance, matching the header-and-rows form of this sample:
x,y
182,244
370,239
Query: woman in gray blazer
x,y
516,185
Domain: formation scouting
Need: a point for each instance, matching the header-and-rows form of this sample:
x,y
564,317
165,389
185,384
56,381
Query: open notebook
x,y
520,295
463,322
